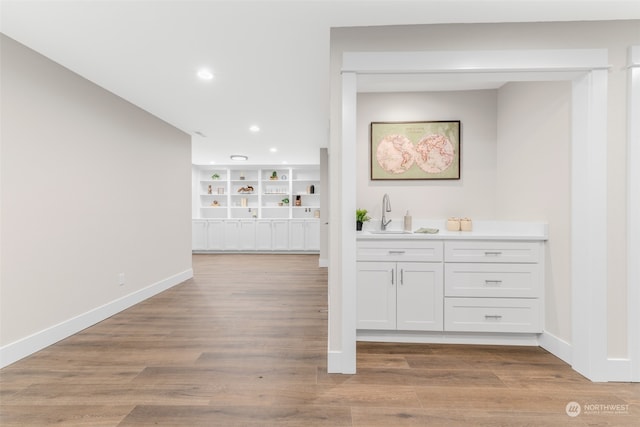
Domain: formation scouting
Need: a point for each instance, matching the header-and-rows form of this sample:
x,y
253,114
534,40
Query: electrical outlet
x,y
121,279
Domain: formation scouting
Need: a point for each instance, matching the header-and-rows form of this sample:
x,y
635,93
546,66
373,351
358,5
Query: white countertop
x,y
481,230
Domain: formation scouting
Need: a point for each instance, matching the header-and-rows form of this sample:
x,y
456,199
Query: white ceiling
x,y
270,58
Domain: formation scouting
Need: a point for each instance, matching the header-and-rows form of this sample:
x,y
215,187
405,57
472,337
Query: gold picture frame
x,y
415,150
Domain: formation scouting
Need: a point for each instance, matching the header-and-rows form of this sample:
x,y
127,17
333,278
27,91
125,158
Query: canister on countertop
x,y
407,222
465,224
453,224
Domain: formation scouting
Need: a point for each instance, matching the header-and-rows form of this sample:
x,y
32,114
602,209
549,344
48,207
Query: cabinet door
x,y
280,235
215,235
419,296
247,235
296,235
263,235
231,235
376,295
198,235
312,235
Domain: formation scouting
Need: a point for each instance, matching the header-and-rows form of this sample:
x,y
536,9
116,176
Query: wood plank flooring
x,y
244,344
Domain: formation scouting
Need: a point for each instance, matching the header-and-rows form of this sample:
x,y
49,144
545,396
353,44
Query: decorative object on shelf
x,y
274,176
241,176
415,150
316,213
283,177
215,203
209,190
465,224
220,190
246,190
312,189
298,201
285,201
361,217
215,176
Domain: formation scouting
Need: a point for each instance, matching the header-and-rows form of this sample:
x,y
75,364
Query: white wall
x,y
533,181
473,195
615,36
92,186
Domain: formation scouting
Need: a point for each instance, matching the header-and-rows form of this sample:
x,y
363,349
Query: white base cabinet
x,y
399,286
493,286
251,235
399,295
456,286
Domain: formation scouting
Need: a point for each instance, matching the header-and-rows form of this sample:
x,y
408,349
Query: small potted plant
x,y
361,217
215,176
285,201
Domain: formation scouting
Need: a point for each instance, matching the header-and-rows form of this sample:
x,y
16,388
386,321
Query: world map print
x,y
420,150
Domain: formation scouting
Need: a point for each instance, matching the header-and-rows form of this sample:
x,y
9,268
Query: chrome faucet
x,y
386,207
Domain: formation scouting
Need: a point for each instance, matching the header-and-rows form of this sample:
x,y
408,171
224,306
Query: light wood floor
x,y
244,344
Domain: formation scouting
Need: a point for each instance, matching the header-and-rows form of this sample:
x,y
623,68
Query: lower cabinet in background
x,y
248,235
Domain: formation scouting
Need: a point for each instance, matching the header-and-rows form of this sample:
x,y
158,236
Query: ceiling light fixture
x,y
273,150
205,74
239,157
254,128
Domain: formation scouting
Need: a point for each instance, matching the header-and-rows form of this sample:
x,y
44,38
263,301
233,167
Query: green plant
x,y
285,201
361,215
215,176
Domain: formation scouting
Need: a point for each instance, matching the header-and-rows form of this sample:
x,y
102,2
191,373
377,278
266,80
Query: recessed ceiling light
x,y
254,128
205,74
273,150
239,157
212,162
284,162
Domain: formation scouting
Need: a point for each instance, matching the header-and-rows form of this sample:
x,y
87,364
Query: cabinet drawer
x,y
395,250
492,280
492,251
492,315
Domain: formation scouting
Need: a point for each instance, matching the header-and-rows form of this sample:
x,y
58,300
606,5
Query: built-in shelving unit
x,y
256,208
256,192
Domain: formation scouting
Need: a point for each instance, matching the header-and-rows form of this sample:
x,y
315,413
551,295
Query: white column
x,y
348,225
589,221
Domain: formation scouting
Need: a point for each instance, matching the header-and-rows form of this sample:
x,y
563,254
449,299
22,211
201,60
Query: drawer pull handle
x,y
392,275
493,282
492,253
396,252
492,317
402,276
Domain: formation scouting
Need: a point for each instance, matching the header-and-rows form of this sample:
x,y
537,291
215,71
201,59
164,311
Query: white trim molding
x,y
587,70
24,347
633,211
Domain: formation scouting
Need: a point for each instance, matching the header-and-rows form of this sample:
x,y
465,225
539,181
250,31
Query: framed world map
x,y
415,150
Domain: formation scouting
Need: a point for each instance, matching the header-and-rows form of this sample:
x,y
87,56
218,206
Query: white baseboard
x,y
423,337
556,346
619,370
24,347
334,362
